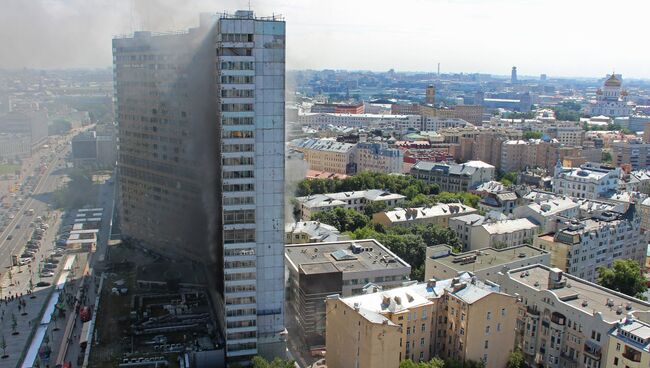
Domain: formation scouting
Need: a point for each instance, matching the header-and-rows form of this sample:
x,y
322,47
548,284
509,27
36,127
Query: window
x,y
503,312
618,347
486,344
424,327
498,326
408,330
489,316
615,361
487,330
422,341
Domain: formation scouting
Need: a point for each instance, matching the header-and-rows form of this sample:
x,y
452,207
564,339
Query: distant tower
x,y
542,77
438,70
513,75
431,95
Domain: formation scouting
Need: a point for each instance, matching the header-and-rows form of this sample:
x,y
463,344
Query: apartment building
x,y
400,122
438,214
201,163
339,108
563,320
316,270
502,234
464,226
356,200
473,114
503,202
545,212
571,135
587,181
378,157
453,177
633,152
629,344
461,318
326,154
486,263
435,124
311,232
580,247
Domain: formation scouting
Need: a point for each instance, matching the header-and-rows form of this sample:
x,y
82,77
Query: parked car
x,y
43,284
47,274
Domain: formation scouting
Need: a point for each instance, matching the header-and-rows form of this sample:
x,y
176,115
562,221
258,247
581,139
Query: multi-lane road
x,y
18,231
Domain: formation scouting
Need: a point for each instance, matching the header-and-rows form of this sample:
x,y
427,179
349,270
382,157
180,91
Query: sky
x,y
580,38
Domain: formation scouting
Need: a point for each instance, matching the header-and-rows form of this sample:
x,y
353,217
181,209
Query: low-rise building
x,y
438,214
311,232
316,270
586,181
443,263
356,200
503,202
563,320
464,226
461,318
454,177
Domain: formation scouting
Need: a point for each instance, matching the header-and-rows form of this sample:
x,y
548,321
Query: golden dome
x,y
612,81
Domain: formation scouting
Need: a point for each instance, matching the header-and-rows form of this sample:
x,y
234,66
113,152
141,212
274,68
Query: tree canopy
x,y
465,198
532,135
259,362
344,219
433,363
409,242
516,360
400,184
625,277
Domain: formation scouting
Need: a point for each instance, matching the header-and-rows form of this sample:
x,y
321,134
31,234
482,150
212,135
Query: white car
x,y
24,261
47,274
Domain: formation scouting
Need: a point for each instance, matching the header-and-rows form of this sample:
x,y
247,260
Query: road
x,y
19,228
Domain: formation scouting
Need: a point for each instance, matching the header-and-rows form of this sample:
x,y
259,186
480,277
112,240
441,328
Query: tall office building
x,y
513,75
201,163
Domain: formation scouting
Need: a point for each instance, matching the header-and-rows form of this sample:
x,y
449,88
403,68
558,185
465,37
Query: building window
x,y
489,316
486,344
422,341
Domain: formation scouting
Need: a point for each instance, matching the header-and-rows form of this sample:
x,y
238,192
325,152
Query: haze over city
x,y
560,38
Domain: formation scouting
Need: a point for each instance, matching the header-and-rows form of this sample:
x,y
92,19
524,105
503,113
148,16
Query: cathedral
x,y
611,100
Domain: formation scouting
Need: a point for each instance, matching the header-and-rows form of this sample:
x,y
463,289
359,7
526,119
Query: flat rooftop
x,y
484,258
579,294
343,256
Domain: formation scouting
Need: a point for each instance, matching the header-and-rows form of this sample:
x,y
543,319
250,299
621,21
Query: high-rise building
x,y
513,75
201,163
431,95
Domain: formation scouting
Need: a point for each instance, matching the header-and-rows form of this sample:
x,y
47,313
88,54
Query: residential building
x,y
453,177
611,100
311,232
435,124
517,155
438,214
399,122
638,181
356,200
644,214
201,163
587,181
632,152
460,318
378,157
503,234
326,154
578,246
473,114
316,270
14,146
564,321
503,202
567,134
338,108
404,109
545,211
486,263
464,227
629,344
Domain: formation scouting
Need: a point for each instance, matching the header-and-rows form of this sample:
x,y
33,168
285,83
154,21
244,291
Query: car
x,y
47,274
56,254
49,266
52,260
17,226
24,260
9,237
43,284
27,255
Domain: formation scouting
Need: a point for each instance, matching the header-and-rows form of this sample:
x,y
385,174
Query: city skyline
x,y
366,36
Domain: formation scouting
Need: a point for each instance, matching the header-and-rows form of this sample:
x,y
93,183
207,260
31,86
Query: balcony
x,y
593,349
532,311
568,361
632,354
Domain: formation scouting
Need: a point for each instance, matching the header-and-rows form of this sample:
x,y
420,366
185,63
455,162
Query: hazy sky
x,y
557,37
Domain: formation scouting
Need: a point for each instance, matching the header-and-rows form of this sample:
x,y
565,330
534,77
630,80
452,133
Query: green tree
x,y
465,198
516,360
606,157
374,207
344,219
259,362
532,135
433,363
625,277
400,184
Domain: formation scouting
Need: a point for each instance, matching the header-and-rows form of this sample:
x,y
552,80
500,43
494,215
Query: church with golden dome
x,y
611,100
